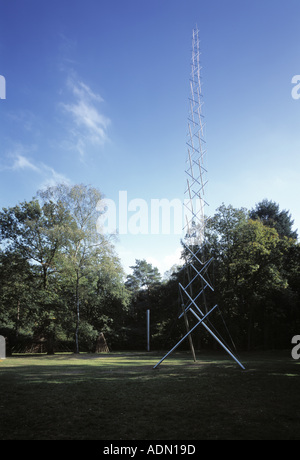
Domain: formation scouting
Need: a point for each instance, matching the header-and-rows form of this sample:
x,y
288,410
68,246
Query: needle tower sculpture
x,y
197,259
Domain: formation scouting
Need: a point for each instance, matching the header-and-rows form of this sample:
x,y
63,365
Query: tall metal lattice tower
x,y
197,259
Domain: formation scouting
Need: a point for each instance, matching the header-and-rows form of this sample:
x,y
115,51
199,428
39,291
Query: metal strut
x,y
195,221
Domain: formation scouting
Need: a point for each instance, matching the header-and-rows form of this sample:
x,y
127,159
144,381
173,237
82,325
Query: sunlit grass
x,y
120,396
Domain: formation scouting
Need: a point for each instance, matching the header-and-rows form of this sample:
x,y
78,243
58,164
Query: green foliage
x,y
269,214
62,281
60,277
252,277
144,276
144,285
256,276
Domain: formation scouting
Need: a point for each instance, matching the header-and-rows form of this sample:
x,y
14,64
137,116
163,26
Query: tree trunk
x,y
50,343
18,319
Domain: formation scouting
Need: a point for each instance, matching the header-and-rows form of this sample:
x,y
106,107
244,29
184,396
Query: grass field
x,y
120,396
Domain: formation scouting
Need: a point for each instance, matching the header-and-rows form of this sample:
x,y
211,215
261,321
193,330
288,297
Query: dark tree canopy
x,y
63,283
268,212
144,276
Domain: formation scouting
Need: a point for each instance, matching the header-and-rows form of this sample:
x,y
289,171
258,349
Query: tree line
x,y
62,283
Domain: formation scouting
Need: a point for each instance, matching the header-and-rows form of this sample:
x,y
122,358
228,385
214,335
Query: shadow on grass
x,y
121,396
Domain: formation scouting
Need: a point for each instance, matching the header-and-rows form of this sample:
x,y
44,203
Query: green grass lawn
x,y
121,397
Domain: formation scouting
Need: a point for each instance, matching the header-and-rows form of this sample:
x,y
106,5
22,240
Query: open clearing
x,y
119,396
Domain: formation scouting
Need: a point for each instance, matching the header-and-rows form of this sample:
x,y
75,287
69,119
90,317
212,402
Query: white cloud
x,y
21,162
91,124
52,177
166,262
26,120
173,259
83,91
16,159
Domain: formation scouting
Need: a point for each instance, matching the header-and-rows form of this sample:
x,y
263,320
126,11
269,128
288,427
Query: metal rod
x,y
187,326
210,331
194,204
148,330
190,304
218,340
183,338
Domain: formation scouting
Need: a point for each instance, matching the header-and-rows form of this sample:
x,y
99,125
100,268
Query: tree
x,y
270,215
144,276
144,286
251,274
107,304
16,293
56,269
35,233
86,248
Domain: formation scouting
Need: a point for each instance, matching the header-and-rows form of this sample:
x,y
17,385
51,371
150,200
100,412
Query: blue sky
x,y
97,90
